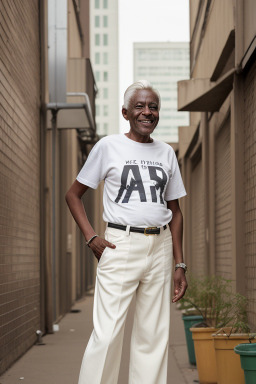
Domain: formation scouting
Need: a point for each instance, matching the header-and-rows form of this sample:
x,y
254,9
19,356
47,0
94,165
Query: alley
x,y
58,360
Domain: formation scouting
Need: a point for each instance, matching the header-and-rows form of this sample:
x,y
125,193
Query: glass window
x,y
97,110
105,110
97,39
97,58
105,39
105,58
105,76
97,21
105,126
105,21
105,3
105,93
97,3
97,75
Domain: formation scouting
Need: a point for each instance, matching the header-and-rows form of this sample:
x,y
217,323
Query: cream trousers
x,y
138,265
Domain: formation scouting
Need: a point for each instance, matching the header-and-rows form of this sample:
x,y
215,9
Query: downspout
x,y
54,132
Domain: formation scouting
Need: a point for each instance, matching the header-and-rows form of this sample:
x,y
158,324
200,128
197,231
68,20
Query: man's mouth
x,y
146,121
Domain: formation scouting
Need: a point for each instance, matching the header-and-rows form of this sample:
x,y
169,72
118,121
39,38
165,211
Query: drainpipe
x,y
54,131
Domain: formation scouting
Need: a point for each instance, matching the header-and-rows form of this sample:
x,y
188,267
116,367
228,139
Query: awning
x,y
203,95
73,115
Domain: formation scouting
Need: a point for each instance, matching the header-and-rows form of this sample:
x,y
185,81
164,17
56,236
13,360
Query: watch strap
x,y
181,265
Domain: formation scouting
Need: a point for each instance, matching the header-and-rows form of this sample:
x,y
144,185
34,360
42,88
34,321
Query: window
x,y
97,39
105,39
105,110
105,93
97,75
97,4
105,126
97,58
105,58
105,76
105,21
97,21
105,4
97,110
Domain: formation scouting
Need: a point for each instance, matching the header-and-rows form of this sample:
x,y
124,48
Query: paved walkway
x,y
58,360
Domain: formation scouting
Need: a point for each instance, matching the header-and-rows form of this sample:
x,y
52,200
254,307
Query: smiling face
x,y
142,114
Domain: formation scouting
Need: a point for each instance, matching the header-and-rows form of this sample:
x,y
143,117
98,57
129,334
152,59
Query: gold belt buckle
x,y
148,234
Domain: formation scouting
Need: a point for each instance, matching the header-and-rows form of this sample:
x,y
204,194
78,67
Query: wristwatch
x,y
181,265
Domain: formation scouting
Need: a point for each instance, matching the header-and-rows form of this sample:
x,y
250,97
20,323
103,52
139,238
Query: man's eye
x,y
153,107
139,106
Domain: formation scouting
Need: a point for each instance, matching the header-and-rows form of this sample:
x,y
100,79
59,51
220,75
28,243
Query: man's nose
x,y
146,110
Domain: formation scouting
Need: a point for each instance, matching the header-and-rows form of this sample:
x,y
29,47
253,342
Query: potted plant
x,y
213,298
225,339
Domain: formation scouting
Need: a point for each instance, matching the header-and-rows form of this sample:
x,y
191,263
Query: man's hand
x,y
180,284
98,245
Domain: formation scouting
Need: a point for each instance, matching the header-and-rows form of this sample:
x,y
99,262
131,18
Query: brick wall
x,y
250,188
198,260
223,259
19,177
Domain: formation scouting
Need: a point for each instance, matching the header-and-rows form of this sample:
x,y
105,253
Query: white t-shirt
x,y
139,179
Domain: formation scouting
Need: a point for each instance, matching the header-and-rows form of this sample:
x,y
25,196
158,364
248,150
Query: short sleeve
x,y
175,188
92,172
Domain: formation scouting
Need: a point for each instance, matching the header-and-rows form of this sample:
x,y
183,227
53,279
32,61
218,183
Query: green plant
x,y
213,298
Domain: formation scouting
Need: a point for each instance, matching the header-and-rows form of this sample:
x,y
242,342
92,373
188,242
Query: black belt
x,y
147,231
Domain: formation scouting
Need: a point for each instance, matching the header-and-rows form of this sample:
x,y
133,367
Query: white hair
x,y
140,84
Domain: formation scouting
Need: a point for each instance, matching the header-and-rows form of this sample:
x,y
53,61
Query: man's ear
x,y
125,113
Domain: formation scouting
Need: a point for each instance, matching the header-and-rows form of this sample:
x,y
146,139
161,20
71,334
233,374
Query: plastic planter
x,y
247,354
229,370
189,321
205,354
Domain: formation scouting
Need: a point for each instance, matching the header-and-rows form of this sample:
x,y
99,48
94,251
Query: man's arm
x,y
73,199
176,227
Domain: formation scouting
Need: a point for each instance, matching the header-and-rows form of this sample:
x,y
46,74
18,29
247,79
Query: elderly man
x,y
143,234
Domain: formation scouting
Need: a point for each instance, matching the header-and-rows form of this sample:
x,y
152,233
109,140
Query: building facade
x,y
104,57
19,179
163,64
217,151
44,265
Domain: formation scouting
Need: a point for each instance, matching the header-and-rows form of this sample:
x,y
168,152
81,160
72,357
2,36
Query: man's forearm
x,y
78,212
176,227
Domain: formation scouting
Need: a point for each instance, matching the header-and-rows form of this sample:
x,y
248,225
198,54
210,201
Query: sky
x,y
147,20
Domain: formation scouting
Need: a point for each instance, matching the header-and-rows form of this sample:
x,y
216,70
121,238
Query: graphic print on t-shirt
x,y
132,181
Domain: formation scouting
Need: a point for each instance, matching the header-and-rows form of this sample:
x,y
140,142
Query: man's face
x,y
142,112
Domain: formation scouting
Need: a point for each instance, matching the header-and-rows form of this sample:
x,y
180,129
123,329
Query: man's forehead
x,y
142,95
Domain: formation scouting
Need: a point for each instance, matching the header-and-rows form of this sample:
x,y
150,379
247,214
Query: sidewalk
x,y
58,360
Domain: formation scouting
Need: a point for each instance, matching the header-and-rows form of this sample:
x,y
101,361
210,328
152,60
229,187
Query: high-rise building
x,y
163,64
104,57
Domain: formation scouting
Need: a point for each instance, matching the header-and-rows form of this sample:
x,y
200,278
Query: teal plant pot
x,y
189,321
247,354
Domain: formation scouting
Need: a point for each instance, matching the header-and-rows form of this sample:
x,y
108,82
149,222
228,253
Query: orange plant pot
x,y
205,354
229,369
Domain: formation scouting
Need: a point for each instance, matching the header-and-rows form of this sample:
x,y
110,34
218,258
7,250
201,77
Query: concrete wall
x,y
19,178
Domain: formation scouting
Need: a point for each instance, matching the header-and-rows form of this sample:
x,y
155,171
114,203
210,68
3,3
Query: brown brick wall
x,y
198,259
19,177
223,259
250,188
